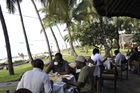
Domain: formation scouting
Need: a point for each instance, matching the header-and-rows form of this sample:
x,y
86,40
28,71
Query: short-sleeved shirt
x,y
119,58
60,68
36,81
97,58
86,77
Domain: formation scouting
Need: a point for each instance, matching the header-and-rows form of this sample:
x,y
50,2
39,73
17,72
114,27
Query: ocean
x,y
36,47
32,26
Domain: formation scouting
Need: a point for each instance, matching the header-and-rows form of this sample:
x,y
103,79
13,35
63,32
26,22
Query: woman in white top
x,y
96,57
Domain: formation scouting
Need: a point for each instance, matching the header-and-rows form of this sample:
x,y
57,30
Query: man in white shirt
x,y
35,80
119,58
96,57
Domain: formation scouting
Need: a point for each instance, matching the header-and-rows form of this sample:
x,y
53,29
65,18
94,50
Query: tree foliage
x,y
91,34
136,37
125,24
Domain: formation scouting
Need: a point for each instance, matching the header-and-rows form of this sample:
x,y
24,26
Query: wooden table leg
x,y
98,87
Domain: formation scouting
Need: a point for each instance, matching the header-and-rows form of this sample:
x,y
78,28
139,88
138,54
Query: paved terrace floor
x,y
132,85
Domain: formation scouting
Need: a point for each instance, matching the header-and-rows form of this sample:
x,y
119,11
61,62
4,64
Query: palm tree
x,y
9,55
61,36
63,9
56,42
48,45
24,31
50,21
85,11
10,4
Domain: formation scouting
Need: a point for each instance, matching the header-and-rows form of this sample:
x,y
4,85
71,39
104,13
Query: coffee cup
x,y
55,63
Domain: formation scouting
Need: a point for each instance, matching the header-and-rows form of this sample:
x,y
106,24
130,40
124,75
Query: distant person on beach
x,y
58,65
35,80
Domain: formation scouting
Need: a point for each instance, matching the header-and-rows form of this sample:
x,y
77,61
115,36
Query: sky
x,y
32,27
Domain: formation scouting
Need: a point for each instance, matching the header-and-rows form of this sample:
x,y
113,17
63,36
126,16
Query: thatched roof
x,y
111,8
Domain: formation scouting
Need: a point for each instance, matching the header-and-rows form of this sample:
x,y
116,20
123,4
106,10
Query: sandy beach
x,y
16,58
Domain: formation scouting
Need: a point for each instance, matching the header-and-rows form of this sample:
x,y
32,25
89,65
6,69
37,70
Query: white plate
x,y
52,75
66,75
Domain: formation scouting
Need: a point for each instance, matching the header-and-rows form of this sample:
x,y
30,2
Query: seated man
x,y
119,58
85,78
58,65
35,80
135,59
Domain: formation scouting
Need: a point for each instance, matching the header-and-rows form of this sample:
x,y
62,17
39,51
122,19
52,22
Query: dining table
x,y
58,85
107,63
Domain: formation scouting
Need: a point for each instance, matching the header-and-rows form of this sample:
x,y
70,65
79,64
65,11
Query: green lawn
x,y
5,77
11,89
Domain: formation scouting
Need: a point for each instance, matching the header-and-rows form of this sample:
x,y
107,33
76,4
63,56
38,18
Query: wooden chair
x,y
123,68
109,75
136,65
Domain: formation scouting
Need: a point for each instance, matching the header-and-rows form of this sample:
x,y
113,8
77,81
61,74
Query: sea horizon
x,y
36,47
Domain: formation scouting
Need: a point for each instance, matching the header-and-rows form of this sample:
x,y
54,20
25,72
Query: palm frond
x,y
66,38
10,5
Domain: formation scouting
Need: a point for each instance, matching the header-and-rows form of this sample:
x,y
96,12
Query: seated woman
x,y
58,65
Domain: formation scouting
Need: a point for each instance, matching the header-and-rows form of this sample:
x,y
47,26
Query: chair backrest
x,y
23,90
124,61
124,64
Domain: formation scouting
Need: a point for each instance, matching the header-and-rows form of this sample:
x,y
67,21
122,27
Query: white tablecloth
x,y
107,64
60,87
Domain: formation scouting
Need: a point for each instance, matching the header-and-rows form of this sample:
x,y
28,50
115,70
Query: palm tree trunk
x,y
56,42
26,39
61,36
48,45
73,53
10,63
